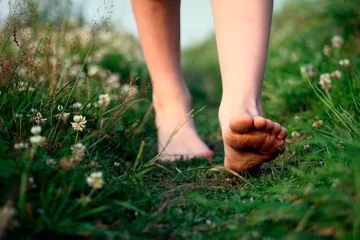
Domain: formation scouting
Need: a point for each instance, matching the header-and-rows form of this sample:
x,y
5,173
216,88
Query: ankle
x,y
172,102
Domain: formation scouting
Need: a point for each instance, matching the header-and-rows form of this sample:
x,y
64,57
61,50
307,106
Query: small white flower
x,y
325,81
337,41
113,81
50,162
336,74
344,62
79,123
19,115
21,145
22,86
317,123
129,90
37,118
306,147
37,140
93,70
95,180
295,134
78,153
76,105
327,50
63,116
116,164
60,108
36,130
307,70
104,100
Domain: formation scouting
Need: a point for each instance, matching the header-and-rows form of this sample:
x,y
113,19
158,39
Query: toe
x,y
276,129
269,126
259,122
246,141
241,124
282,134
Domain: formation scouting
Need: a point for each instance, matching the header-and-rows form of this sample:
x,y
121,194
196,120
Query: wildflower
x,y
78,153
336,74
113,81
60,108
317,123
326,50
307,70
129,90
36,130
93,70
31,89
74,70
208,222
344,62
325,81
79,123
84,200
22,72
50,162
337,41
295,134
37,140
76,105
95,180
37,118
306,147
116,164
104,100
22,86
63,116
19,115
21,145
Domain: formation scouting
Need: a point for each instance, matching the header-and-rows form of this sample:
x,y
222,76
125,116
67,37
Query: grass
x,y
311,192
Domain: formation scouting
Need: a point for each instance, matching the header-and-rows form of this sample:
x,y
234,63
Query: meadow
x,y
78,145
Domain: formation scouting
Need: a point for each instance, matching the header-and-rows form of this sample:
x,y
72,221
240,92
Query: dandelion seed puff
x,y
337,41
79,123
344,62
95,180
36,130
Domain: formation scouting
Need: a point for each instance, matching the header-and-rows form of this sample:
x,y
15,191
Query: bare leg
x,y
242,34
158,23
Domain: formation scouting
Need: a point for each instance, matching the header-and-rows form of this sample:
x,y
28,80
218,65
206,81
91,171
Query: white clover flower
x,y
36,130
307,70
104,100
129,90
336,74
337,41
38,119
113,81
20,145
22,72
22,86
326,50
37,140
79,123
76,105
78,153
50,162
63,116
93,70
317,123
116,164
344,62
325,81
295,134
95,180
60,108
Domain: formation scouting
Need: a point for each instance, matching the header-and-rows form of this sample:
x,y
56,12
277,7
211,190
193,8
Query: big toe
x,y
242,123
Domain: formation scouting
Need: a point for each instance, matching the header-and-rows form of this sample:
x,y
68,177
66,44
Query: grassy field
x,y
78,144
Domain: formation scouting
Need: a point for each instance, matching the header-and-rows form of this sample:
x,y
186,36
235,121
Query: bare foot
x,y
177,136
250,140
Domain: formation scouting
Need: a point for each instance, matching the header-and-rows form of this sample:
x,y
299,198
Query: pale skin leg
x,y
158,23
242,33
